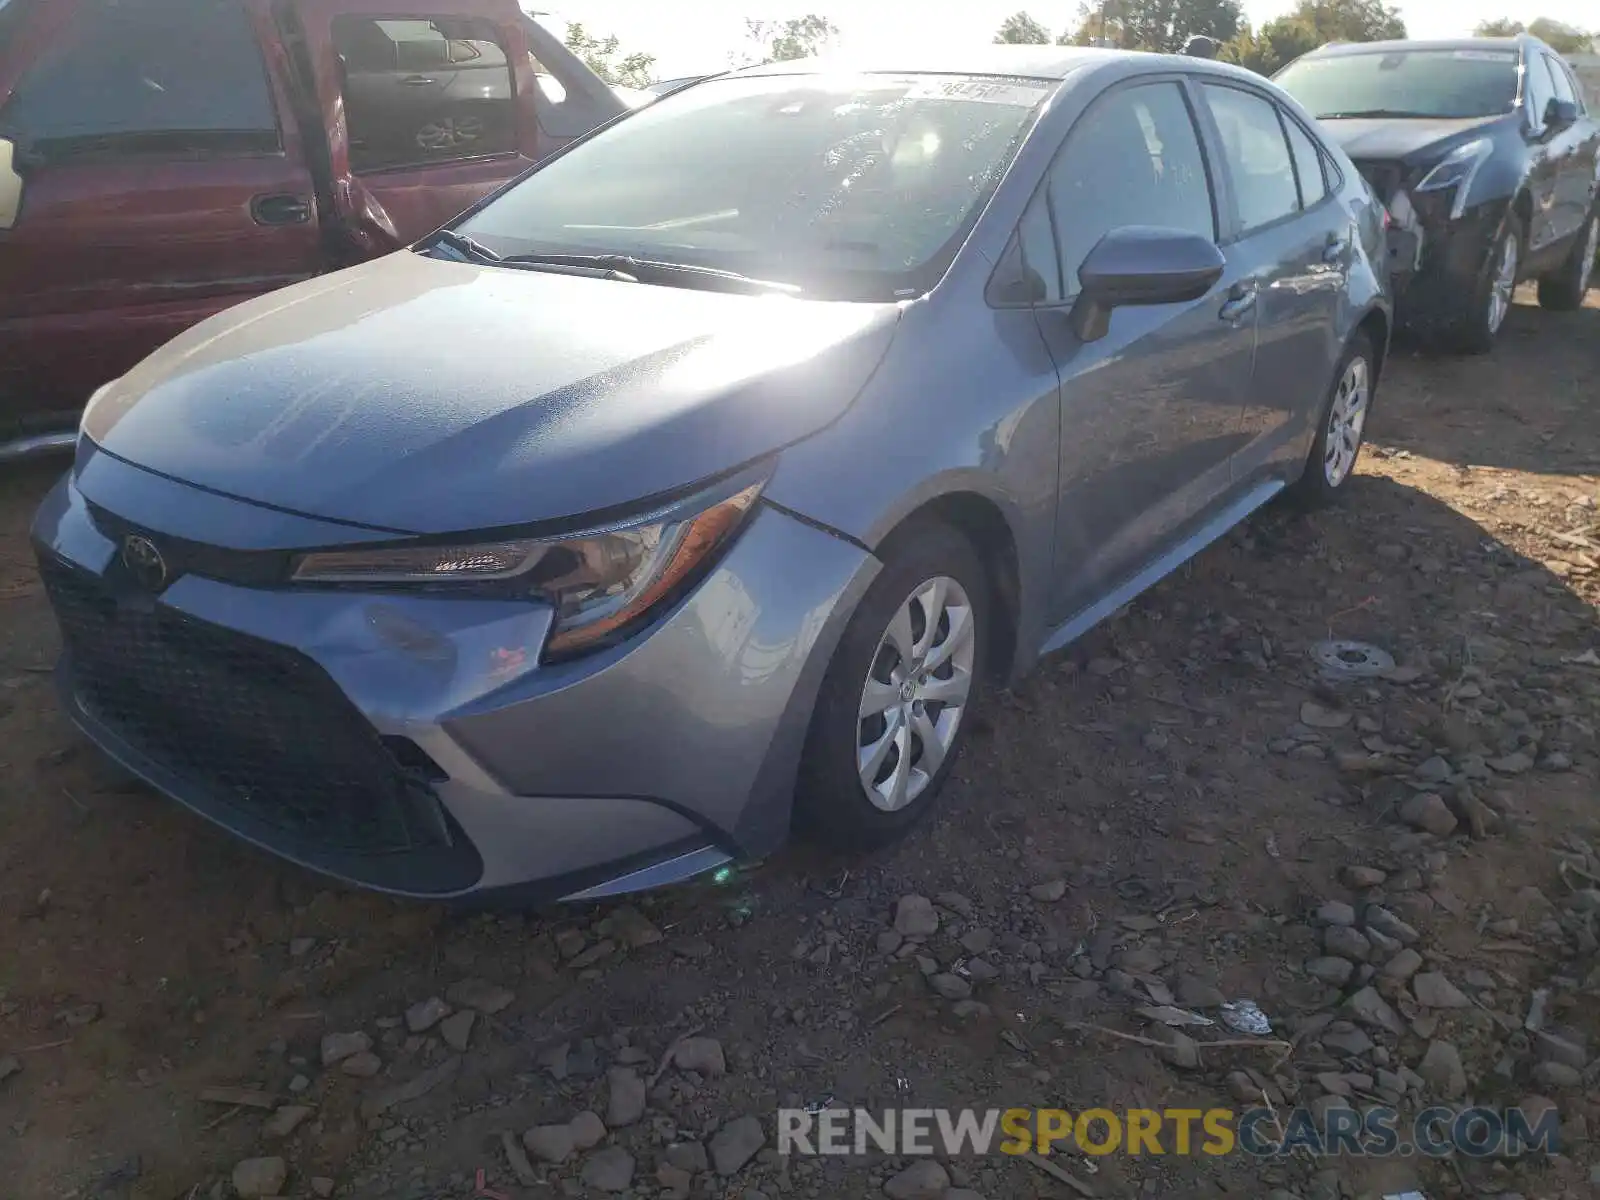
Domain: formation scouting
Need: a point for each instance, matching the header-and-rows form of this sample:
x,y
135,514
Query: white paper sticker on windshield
x,y
981,91
1486,55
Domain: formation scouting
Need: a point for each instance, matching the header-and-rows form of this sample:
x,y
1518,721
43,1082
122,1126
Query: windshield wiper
x,y
1357,114
462,244
638,270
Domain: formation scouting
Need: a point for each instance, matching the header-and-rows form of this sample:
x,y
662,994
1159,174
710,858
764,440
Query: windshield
x,y
1406,83
856,186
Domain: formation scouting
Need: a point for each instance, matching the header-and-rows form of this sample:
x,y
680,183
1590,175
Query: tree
x,y
1160,25
1499,27
1019,29
785,41
1562,38
601,54
1310,24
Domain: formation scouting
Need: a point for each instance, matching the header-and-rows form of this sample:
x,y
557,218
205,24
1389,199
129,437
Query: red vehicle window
x,y
424,91
148,76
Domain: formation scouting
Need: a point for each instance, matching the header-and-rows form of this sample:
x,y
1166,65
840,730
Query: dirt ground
x,y
1177,811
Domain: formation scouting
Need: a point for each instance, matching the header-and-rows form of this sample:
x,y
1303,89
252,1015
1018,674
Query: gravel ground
x,y
1184,810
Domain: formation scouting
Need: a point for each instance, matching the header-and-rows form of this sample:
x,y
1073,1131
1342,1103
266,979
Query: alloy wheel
x,y
1347,418
916,693
449,133
1505,283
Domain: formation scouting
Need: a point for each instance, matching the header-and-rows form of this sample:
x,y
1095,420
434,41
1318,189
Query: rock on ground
x,y
736,1143
549,1143
701,1054
624,1097
609,1170
924,1179
258,1177
336,1047
914,916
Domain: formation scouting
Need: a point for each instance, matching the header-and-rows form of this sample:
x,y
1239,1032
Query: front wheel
x,y
896,704
1564,290
1476,325
1342,427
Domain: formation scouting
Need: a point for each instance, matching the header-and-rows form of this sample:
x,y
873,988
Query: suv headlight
x,y
1457,170
597,581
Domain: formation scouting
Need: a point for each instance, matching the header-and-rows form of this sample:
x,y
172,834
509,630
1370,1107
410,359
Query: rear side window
x,y
1308,166
1559,80
149,75
1257,153
1133,159
424,90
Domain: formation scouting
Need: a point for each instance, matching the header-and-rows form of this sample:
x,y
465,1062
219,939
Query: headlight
x,y
1457,171
598,581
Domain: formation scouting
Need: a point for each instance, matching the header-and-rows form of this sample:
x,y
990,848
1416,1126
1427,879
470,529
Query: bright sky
x,y
698,37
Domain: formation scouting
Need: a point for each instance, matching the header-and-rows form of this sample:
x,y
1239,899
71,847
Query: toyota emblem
x,y
144,562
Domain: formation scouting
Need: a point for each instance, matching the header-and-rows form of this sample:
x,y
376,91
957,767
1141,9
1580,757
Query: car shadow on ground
x,y
1474,410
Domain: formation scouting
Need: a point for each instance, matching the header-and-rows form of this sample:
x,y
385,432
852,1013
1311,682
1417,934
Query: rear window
x,y
1407,83
175,74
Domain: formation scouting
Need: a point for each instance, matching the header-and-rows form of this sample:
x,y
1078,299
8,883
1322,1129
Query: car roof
x,y
1336,49
1033,62
1053,63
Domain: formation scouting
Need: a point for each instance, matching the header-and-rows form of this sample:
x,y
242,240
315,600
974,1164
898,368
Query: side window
x,y
1308,166
1133,159
1559,83
418,91
1257,154
149,77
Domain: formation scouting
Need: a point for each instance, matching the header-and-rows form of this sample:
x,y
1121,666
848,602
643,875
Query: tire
x,y
1564,289
1327,476
1473,327
832,801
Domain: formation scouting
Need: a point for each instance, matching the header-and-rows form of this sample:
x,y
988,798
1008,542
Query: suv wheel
x,y
1476,326
896,705
1564,289
1342,428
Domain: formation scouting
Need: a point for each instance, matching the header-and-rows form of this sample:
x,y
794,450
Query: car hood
x,y
424,396
1399,140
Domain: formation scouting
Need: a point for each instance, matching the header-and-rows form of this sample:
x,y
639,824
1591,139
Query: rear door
x,y
429,105
1294,243
161,180
1150,412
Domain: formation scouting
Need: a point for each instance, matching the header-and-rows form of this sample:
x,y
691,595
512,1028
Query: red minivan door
x,y
162,178
429,104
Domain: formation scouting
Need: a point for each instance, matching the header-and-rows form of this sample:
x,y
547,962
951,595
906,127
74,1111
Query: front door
x,y
161,179
431,105
1572,154
1295,243
1150,412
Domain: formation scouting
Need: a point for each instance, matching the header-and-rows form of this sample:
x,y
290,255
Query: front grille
x,y
255,727
248,568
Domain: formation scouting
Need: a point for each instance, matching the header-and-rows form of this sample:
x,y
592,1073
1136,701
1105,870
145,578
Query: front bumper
x,y
1454,255
413,744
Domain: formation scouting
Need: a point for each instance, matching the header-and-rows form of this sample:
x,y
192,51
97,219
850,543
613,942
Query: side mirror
x,y
10,185
1558,114
1142,265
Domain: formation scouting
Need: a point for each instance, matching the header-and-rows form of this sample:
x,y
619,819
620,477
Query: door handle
x,y
418,80
1333,249
1241,299
282,208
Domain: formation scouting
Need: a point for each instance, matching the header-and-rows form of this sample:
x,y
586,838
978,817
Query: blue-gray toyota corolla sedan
x,y
703,478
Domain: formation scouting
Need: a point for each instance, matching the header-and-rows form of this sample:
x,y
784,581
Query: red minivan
x,y
163,159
